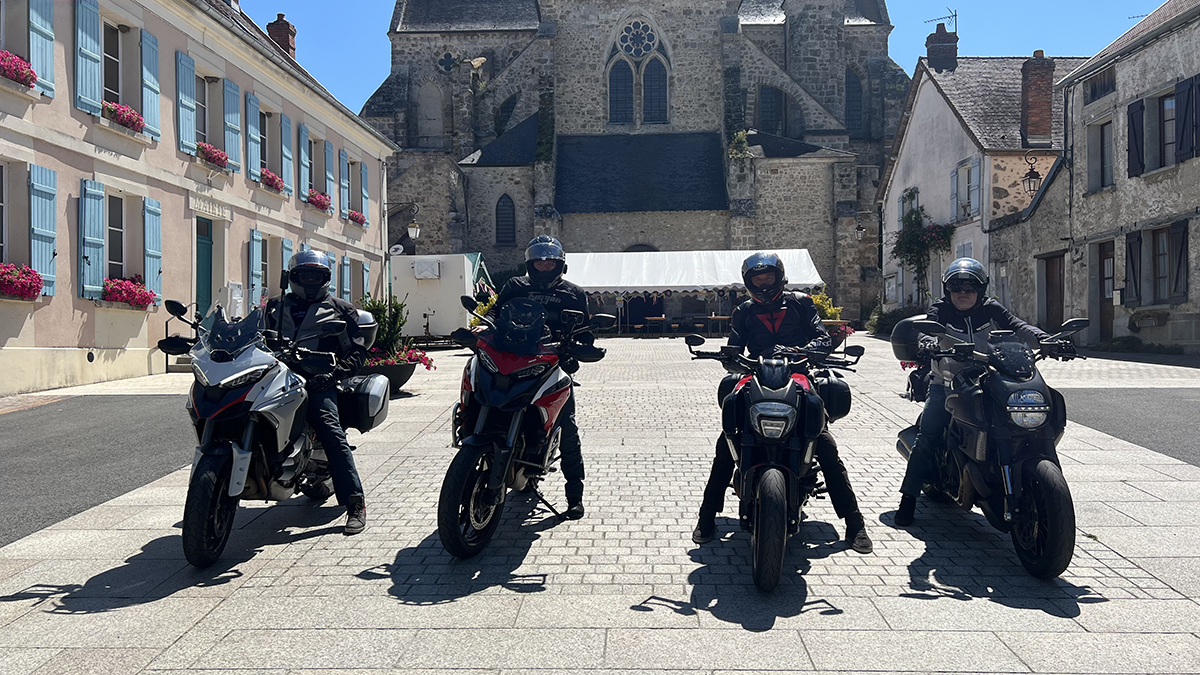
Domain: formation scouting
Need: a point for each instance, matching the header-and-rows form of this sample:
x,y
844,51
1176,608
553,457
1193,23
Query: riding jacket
x,y
789,321
560,296
301,318
974,325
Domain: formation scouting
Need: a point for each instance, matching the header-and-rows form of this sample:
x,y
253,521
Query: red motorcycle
x,y
506,423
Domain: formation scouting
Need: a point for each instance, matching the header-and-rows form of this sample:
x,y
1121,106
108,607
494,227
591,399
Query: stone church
x,y
619,125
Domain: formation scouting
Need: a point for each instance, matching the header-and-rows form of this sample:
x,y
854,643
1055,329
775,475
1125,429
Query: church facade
x,y
629,126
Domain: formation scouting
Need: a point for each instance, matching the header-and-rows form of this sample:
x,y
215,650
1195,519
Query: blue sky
x,y
345,46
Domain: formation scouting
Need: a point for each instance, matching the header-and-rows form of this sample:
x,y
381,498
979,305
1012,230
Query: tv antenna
x,y
1139,16
952,18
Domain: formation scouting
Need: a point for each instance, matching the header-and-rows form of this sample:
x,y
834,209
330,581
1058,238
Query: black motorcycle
x,y
770,422
999,451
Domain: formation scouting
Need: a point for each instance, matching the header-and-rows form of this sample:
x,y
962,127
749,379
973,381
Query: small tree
x,y
918,240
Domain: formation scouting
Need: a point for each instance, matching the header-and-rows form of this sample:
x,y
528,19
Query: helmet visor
x,y
963,286
310,275
544,251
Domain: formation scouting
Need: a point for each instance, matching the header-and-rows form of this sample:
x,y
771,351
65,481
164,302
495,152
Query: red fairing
x,y
742,383
553,402
508,363
801,381
466,387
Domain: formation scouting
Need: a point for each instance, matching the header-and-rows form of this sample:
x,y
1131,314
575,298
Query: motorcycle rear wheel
x,y
1044,534
769,538
465,525
209,511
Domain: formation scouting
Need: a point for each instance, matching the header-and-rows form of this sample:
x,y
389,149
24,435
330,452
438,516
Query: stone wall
x,y
816,51
484,187
1007,195
665,231
771,39
434,181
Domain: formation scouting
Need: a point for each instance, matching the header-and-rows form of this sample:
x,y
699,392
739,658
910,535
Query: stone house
x,y
85,199
1108,237
970,127
609,124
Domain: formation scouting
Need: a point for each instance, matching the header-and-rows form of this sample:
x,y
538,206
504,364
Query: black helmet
x,y
545,247
760,263
968,273
309,274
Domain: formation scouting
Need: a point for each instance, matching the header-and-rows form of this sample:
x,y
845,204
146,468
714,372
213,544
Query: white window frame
x,y
5,244
105,25
108,245
264,139
355,168
202,111
316,157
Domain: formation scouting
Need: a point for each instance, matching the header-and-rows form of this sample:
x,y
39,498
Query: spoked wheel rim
x,y
1032,528
475,518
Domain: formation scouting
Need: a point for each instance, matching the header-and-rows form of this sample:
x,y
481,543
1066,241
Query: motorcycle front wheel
x,y
209,511
465,522
1044,532
769,538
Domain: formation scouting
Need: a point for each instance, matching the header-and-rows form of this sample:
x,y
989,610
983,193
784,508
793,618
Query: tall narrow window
x,y
1161,241
620,94
316,177
116,238
1166,130
3,215
854,106
772,114
262,139
112,64
654,93
201,110
1106,154
506,222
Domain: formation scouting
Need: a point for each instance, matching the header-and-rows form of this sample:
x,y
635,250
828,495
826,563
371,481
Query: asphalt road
x,y
64,457
1163,420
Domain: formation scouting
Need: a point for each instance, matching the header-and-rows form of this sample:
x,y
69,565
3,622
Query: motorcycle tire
x,y
209,511
318,492
464,525
769,538
1044,534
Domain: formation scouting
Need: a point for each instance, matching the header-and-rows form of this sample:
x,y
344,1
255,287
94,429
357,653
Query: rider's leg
x,y
719,476
841,495
921,467
324,420
572,459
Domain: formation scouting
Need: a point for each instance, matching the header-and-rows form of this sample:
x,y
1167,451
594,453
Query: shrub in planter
x,y
270,179
319,200
131,291
882,323
16,69
212,154
124,115
20,280
357,218
404,355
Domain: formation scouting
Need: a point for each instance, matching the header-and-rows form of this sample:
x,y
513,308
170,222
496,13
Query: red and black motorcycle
x,y
506,423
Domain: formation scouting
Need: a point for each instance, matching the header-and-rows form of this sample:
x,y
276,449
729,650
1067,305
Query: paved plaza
x,y
624,590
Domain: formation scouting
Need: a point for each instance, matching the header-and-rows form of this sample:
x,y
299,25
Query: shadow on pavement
x,y
426,574
1181,360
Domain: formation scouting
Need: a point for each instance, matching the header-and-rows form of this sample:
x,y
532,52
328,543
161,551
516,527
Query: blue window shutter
x,y
91,240
41,44
256,270
89,83
329,184
286,245
955,211
233,125
285,142
900,212
333,277
346,285
366,194
305,164
344,184
305,247
366,267
254,147
975,187
185,101
151,92
43,223
152,221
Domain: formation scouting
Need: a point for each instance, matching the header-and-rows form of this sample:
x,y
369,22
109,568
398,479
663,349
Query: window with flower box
x,y
356,193
112,63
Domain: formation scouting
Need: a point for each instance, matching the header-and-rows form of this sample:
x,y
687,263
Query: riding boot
x,y
356,516
574,500
907,511
856,534
706,527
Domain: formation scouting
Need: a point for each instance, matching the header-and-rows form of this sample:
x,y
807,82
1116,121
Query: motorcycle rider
x,y
543,283
968,314
306,304
774,318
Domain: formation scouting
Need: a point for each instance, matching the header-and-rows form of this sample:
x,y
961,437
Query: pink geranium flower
x,y
17,69
131,291
20,280
124,115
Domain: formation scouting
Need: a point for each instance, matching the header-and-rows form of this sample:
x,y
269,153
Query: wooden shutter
x,y
254,147
233,125
330,184
256,269
343,184
955,209
89,81
152,226
1133,269
285,143
91,240
1179,265
364,183
1137,138
286,245
185,101
976,193
347,291
43,224
151,92
333,274
366,279
305,164
1185,120
41,45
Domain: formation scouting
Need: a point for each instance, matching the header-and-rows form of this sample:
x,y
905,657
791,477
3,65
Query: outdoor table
x,y
653,322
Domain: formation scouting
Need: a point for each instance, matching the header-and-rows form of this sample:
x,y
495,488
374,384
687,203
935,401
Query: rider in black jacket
x,y
774,318
306,305
970,316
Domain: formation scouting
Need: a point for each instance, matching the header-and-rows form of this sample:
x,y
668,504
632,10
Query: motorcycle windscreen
x,y
232,337
520,326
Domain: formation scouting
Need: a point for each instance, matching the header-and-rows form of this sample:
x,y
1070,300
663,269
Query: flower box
x,y
358,218
124,116
319,201
20,281
398,367
131,291
271,180
212,155
17,69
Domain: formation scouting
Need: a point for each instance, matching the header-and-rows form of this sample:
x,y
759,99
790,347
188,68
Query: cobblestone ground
x,y
624,590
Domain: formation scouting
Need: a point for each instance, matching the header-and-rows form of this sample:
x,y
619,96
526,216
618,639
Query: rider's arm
x,y
929,343
1032,335
352,356
814,330
738,334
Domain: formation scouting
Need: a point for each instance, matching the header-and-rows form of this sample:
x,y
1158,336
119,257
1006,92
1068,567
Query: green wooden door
x,y
204,249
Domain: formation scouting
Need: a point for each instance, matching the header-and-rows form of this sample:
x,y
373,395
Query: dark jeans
x,y
572,450
323,418
921,465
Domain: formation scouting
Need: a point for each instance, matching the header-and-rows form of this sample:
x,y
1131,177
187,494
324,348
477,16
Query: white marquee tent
x,y
679,271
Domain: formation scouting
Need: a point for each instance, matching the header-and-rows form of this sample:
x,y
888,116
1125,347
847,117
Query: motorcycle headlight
x,y
243,378
487,361
196,370
531,371
773,420
1028,409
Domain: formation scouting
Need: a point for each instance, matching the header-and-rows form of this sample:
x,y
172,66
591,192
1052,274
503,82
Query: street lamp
x,y
1032,181
414,231
859,231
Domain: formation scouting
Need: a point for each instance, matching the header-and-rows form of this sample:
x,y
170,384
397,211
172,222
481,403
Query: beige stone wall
x,y
1007,196
665,231
485,186
434,181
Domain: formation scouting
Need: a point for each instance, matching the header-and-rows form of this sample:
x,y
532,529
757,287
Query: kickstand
x,y
542,499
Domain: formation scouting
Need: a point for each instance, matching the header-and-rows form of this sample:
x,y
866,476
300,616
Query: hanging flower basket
x,y
271,180
212,154
319,200
20,281
17,69
358,218
124,115
131,291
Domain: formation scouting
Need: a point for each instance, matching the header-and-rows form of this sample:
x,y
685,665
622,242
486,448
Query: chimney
x,y
1037,95
284,35
942,47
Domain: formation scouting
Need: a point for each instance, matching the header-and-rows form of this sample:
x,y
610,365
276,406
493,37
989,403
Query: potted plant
x,y
319,200
20,281
357,218
1149,318
392,356
831,317
124,116
131,291
272,180
212,154
17,69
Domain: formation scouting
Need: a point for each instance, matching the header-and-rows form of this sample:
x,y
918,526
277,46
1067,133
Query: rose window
x,y
638,39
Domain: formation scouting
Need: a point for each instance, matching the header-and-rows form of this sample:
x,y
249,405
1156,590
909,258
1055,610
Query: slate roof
x,y
450,16
760,12
515,147
985,93
640,173
391,96
779,147
1167,17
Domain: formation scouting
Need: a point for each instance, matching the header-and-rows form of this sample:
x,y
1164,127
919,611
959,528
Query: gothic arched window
x,y
854,106
654,92
772,111
430,124
620,93
506,222
504,113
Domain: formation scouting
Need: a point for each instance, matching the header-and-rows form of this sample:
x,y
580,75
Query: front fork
x,y
240,451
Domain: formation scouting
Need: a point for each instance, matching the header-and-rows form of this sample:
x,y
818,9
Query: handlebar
x,y
794,358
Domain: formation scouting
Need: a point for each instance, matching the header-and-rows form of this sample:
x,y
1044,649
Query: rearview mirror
x,y
470,304
694,340
1074,325
855,351
929,327
176,309
571,317
603,321
463,337
175,345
